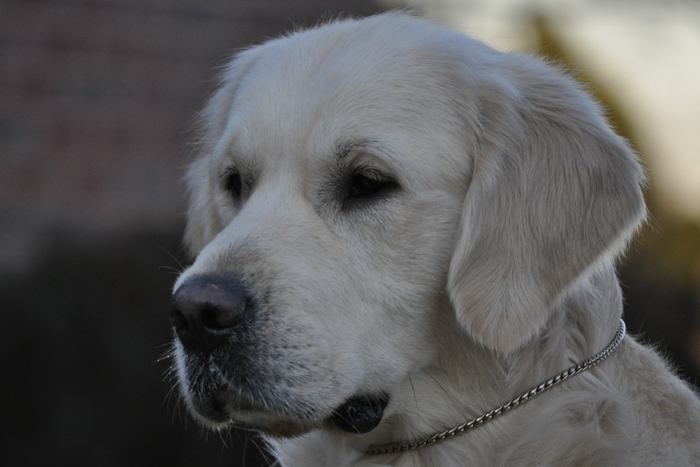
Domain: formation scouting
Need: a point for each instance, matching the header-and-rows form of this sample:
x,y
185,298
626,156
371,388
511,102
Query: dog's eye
x,y
234,183
365,185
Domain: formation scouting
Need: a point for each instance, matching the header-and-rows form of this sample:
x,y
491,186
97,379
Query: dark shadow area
x,y
80,340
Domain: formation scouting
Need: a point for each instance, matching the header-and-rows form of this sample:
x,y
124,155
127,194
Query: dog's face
x,y
327,206
333,215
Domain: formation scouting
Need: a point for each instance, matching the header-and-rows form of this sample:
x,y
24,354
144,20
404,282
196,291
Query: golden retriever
x,y
398,229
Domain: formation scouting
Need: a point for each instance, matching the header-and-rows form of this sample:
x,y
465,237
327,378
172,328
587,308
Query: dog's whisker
x,y
178,406
326,370
245,446
166,356
170,271
182,267
169,374
413,389
252,438
168,395
170,345
222,438
437,382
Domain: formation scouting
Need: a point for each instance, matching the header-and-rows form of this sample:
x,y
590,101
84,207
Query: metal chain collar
x,y
447,434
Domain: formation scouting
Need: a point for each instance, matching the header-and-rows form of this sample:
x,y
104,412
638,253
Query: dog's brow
x,y
345,148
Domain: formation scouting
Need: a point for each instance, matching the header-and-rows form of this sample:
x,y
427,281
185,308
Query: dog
x,y
404,245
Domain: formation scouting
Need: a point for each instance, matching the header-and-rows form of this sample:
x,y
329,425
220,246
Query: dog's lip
x,y
211,408
280,428
265,422
222,408
270,423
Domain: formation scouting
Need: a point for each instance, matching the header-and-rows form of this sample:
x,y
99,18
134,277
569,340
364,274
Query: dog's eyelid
x,y
367,184
371,164
371,155
372,173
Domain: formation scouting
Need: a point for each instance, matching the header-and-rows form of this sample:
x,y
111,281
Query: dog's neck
x,y
499,411
465,380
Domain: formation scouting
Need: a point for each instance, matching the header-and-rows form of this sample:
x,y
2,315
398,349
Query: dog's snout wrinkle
x,y
205,309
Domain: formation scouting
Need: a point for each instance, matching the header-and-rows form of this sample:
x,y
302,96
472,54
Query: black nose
x,y
205,308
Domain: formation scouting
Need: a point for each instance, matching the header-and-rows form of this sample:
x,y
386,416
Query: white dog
x,y
398,229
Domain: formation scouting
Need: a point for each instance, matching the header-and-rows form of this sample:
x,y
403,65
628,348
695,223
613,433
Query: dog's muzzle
x,y
209,312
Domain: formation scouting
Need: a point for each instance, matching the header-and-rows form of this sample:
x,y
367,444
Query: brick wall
x,y
96,99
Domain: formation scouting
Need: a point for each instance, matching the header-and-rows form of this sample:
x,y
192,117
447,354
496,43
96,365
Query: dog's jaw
x,y
217,403
223,409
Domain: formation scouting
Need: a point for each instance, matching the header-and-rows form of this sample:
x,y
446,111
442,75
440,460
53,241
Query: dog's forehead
x,y
309,93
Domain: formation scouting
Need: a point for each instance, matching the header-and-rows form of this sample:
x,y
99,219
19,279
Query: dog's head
x,y
356,179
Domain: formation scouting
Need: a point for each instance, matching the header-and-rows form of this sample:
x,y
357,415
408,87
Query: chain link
x,y
447,434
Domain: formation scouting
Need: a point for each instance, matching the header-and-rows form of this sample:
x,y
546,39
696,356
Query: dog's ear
x,y
203,220
553,193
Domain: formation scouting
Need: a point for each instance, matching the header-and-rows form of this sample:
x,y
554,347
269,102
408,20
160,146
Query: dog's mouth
x,y
357,415
221,397
219,407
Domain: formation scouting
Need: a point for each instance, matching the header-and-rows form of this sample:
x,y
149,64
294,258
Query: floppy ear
x,y
553,193
203,221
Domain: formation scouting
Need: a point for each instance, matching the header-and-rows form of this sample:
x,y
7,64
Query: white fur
x,y
487,272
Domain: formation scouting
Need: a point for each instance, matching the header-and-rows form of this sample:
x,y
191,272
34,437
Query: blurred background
x,y
96,104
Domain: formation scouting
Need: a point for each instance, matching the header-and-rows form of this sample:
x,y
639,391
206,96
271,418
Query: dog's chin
x,y
268,423
277,428
221,410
